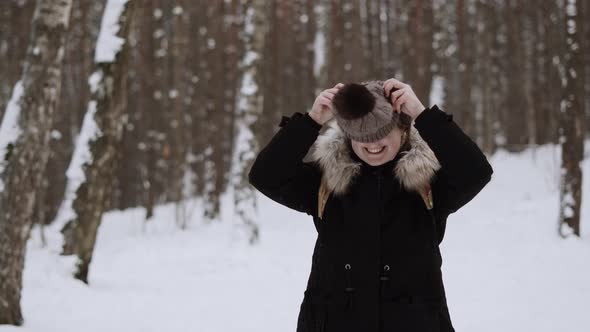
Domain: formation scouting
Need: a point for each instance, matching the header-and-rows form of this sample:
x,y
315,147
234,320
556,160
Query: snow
x,y
109,44
158,13
211,43
571,8
56,134
505,266
10,129
94,80
81,155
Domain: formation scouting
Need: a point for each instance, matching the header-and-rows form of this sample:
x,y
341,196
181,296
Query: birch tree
x,y
24,136
92,168
571,129
249,109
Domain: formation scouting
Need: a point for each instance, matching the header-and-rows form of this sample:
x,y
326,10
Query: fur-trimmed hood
x,y
415,168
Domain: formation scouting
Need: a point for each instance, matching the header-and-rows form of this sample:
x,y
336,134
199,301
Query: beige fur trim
x,y
415,169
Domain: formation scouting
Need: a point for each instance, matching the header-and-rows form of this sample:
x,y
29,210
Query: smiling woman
x,y
376,264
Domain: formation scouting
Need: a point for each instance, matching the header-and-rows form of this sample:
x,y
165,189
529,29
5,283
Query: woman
x,y
382,181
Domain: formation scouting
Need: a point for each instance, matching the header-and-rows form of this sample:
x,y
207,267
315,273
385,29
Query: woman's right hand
x,y
321,111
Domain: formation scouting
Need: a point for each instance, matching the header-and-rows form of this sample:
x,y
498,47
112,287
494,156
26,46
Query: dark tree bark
x,y
586,48
572,126
417,69
15,28
25,154
517,130
177,122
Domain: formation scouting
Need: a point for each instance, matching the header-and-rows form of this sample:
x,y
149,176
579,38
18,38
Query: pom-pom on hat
x,y
364,113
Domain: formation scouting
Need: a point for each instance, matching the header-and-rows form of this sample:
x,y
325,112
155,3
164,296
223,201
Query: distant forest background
x,y
208,81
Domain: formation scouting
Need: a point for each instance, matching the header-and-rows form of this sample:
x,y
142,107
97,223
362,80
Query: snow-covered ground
x,y
505,268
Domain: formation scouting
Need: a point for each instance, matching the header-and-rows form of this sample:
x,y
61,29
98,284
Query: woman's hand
x,y
321,111
403,98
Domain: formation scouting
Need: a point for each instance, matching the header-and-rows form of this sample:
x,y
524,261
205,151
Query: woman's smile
x,y
375,151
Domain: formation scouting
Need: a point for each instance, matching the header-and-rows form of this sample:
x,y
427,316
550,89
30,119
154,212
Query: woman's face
x,y
381,151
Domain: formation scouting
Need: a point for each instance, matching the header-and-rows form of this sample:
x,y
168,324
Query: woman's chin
x,y
374,161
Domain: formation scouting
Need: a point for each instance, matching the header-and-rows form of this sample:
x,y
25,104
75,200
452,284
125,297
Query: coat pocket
x,y
416,315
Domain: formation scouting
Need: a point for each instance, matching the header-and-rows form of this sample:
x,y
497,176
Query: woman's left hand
x,y
403,98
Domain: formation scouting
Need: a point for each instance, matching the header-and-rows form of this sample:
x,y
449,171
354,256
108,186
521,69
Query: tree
x,y
248,110
24,136
15,27
418,62
93,165
572,128
77,66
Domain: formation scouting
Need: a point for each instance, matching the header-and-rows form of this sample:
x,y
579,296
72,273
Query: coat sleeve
x,y
279,171
465,169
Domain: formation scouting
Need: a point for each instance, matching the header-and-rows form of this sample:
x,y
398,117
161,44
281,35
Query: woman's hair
x,y
405,121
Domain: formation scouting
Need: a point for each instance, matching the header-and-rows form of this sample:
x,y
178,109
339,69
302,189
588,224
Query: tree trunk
x,y
15,27
249,109
24,136
98,148
77,64
177,122
571,123
417,71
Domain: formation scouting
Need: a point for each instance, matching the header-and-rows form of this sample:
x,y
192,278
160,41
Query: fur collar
x,y
414,169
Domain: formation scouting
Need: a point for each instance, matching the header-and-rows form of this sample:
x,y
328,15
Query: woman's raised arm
x,y
279,171
465,169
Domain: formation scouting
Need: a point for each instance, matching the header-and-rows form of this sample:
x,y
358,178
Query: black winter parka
x,y
376,265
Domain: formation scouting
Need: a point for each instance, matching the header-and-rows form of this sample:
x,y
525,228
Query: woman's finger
x,y
399,102
328,96
395,94
396,83
325,101
393,83
387,87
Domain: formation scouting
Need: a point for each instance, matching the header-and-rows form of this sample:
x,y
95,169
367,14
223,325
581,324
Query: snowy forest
x,y
128,128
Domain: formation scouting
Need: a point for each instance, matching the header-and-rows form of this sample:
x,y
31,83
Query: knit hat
x,y
364,113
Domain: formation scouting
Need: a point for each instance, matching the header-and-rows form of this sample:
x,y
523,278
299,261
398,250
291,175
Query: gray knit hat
x,y
364,113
